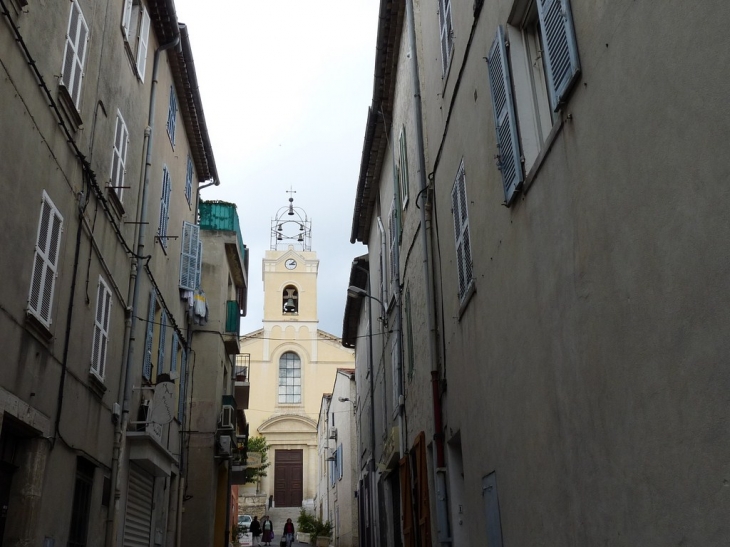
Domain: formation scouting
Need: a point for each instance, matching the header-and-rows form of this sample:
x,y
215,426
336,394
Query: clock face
x,y
290,264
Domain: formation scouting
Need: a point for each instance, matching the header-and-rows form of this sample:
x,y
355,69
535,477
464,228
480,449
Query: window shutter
x,y
189,180
101,329
508,145
164,206
142,44
406,501
340,465
559,47
161,345
147,367
461,231
75,54
172,115
199,265
404,182
394,361
45,262
189,277
181,392
446,33
127,18
393,243
119,157
173,356
424,508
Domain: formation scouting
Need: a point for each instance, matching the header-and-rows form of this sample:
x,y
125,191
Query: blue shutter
x,y
161,346
189,277
504,117
339,461
559,47
147,367
173,357
181,392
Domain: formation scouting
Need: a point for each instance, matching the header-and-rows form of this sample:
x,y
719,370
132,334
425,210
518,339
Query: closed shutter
x,y
138,519
461,231
189,256
424,507
101,329
161,346
142,44
119,157
409,539
147,366
508,144
75,54
45,262
559,47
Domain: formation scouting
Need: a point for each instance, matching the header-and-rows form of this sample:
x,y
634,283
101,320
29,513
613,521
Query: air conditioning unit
x,y
333,433
228,418
225,444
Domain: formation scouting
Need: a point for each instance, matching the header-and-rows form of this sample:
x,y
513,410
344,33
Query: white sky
x,y
286,86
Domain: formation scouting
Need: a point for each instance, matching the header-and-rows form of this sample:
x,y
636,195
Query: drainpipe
x,y
426,236
118,467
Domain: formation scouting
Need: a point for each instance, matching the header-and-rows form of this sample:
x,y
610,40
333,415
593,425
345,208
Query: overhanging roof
x,y
358,278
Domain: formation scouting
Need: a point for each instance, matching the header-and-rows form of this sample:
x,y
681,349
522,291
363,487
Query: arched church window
x,y
290,378
290,298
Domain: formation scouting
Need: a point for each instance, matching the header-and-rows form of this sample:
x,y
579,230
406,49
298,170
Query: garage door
x,y
138,521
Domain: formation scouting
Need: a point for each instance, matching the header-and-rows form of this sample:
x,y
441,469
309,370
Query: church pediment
x,y
287,423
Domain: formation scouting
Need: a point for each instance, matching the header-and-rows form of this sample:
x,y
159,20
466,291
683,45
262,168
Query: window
x,y
189,180
119,156
290,298
45,262
149,336
533,65
101,329
393,249
339,462
136,28
172,116
79,528
403,168
447,34
190,257
461,232
74,57
164,207
290,379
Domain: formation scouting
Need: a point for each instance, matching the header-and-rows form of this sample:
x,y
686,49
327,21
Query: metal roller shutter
x,y
138,522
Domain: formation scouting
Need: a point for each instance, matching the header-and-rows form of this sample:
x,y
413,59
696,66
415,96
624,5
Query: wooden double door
x,y
288,478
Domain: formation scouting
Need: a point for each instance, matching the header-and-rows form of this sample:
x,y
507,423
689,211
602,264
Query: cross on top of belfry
x,y
291,192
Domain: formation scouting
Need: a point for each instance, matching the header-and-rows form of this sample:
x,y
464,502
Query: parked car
x,y
244,521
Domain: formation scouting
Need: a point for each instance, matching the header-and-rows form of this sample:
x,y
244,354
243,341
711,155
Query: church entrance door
x,y
288,478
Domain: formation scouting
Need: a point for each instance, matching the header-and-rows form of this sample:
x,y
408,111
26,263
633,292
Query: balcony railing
x,y
243,361
233,317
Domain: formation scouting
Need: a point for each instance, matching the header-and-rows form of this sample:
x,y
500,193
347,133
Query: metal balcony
x,y
242,387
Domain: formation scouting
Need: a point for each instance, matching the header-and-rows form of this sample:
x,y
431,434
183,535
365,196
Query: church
x,y
292,363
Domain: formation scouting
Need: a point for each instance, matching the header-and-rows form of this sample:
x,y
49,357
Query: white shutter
x,y
161,346
181,390
142,43
199,264
164,206
446,30
45,262
559,47
147,361
75,54
127,18
461,231
101,329
504,117
119,157
189,278
392,248
138,516
403,169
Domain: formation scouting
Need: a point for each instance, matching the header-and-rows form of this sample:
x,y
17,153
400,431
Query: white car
x,y
245,521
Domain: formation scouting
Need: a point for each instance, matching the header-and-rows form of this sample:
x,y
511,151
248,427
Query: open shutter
x,y
161,346
424,507
101,329
45,262
491,506
340,463
75,54
119,157
127,18
164,206
199,264
393,248
404,183
508,145
181,392
447,33
147,366
189,256
559,47
142,44
406,492
461,231
173,356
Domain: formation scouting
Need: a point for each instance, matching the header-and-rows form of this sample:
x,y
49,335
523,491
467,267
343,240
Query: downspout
x,y
426,237
121,426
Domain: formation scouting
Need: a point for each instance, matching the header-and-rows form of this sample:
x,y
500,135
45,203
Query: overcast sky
x,y
286,87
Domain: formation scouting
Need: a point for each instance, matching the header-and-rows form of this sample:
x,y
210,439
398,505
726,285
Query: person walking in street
x,y
255,530
267,527
288,535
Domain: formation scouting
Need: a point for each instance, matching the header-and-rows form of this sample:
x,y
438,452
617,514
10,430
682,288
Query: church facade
x,y
292,363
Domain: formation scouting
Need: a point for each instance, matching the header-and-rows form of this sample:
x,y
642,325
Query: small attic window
x,y
290,300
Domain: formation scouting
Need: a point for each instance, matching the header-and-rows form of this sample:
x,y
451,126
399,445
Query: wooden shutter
x,y
461,231
508,144
559,47
393,248
446,33
199,265
409,539
142,43
404,183
173,356
119,156
127,18
164,206
181,391
101,329
147,365
189,180
45,262
172,115
189,256
424,505
491,506
161,345
75,54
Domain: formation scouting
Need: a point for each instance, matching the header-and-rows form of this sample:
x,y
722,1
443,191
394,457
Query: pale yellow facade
x,y
287,415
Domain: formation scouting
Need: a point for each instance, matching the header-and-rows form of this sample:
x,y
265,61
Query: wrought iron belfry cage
x,y
291,226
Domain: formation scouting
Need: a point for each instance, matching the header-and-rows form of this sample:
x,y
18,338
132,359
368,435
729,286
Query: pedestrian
x,y
267,527
255,530
288,535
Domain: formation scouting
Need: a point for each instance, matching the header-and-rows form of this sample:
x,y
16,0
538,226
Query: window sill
x,y
69,108
115,201
470,290
547,145
96,385
39,331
